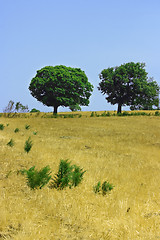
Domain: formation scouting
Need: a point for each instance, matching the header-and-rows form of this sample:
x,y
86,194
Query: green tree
x,y
129,85
61,86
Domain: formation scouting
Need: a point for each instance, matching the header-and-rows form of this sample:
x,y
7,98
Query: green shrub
x,y
144,113
76,176
35,133
68,176
97,115
28,145
69,115
55,115
61,179
105,114
34,110
1,126
10,143
157,113
125,113
16,130
27,127
37,179
97,187
92,114
104,188
119,114
108,114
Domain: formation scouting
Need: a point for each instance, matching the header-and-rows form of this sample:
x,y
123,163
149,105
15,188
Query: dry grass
x,y
123,150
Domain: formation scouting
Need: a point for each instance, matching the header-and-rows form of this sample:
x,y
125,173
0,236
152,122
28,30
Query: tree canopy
x,y
61,86
129,85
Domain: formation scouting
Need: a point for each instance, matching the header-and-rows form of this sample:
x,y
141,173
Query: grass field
x,y
122,150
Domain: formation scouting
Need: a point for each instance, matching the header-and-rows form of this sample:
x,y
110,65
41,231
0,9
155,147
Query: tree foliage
x,y
148,98
129,85
75,108
61,86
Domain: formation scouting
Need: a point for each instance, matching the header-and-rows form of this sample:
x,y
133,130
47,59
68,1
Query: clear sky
x,y
88,34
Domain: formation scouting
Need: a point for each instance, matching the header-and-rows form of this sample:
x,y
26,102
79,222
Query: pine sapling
x,y
16,130
37,179
28,145
1,126
10,143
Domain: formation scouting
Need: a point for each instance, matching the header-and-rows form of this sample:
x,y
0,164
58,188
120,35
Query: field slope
x,y
122,150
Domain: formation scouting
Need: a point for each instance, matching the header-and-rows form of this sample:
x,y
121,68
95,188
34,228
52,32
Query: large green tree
x,y
128,85
61,86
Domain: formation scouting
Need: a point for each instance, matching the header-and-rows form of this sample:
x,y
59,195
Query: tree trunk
x,y
119,108
55,109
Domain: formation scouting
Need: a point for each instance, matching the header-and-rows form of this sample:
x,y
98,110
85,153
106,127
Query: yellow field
x,y
122,150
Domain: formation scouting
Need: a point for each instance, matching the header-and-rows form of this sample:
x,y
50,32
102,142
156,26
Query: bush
x,y
16,130
105,114
37,179
10,143
75,115
125,113
76,176
97,187
144,114
1,126
97,115
157,113
104,188
28,145
34,110
27,127
92,114
68,176
119,114
68,116
108,114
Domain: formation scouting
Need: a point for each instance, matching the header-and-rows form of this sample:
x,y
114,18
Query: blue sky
x,y
88,34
